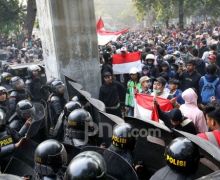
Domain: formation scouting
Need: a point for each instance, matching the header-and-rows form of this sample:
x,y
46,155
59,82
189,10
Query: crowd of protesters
x,y
182,66
29,50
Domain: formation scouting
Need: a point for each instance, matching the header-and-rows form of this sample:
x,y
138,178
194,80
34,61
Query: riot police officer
x,y
79,127
56,101
9,140
5,80
25,115
123,141
18,93
50,159
58,131
182,158
34,83
88,165
4,103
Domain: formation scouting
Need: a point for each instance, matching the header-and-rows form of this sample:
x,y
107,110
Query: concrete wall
x,y
70,42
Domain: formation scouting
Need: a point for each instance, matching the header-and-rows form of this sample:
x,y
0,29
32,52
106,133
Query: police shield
x,y
18,167
117,167
210,154
152,138
72,151
97,104
22,161
37,126
106,125
75,89
40,110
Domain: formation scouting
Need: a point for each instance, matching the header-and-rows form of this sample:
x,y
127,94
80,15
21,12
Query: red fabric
x,y
203,136
216,134
126,58
146,101
100,24
155,115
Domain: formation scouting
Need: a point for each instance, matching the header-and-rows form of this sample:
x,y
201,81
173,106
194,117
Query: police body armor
x,y
17,96
55,106
7,145
34,88
5,106
6,139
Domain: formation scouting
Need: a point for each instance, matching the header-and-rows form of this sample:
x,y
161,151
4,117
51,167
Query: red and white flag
x,y
122,63
144,107
104,36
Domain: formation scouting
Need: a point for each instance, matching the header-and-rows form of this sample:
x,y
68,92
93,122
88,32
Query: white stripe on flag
x,y
104,39
125,67
142,113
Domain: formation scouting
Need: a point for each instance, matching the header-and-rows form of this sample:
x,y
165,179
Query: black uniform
x,y
19,125
111,95
189,81
8,138
15,97
56,104
56,101
34,88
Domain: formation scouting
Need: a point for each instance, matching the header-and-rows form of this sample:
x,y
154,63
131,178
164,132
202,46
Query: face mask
x,y
157,91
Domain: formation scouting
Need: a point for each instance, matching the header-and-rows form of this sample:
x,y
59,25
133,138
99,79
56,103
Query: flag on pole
x,y
122,63
104,36
144,107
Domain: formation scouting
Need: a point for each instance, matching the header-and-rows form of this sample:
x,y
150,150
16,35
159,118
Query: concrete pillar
x,y
70,42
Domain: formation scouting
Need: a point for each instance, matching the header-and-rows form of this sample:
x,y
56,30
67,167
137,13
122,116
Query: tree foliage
x,y
167,9
11,16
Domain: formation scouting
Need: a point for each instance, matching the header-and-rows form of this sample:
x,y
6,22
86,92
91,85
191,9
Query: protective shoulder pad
x,y
28,81
15,124
14,94
54,98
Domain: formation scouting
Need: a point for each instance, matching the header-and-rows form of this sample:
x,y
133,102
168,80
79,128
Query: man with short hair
x,y
190,78
111,93
159,88
175,92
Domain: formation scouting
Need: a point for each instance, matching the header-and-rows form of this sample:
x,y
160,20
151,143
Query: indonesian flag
x,y
104,36
144,107
122,63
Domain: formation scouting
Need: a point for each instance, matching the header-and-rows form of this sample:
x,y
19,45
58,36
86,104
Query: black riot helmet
x,y
2,117
5,78
49,157
70,106
79,124
3,90
33,70
88,165
17,83
122,137
25,109
58,87
182,155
